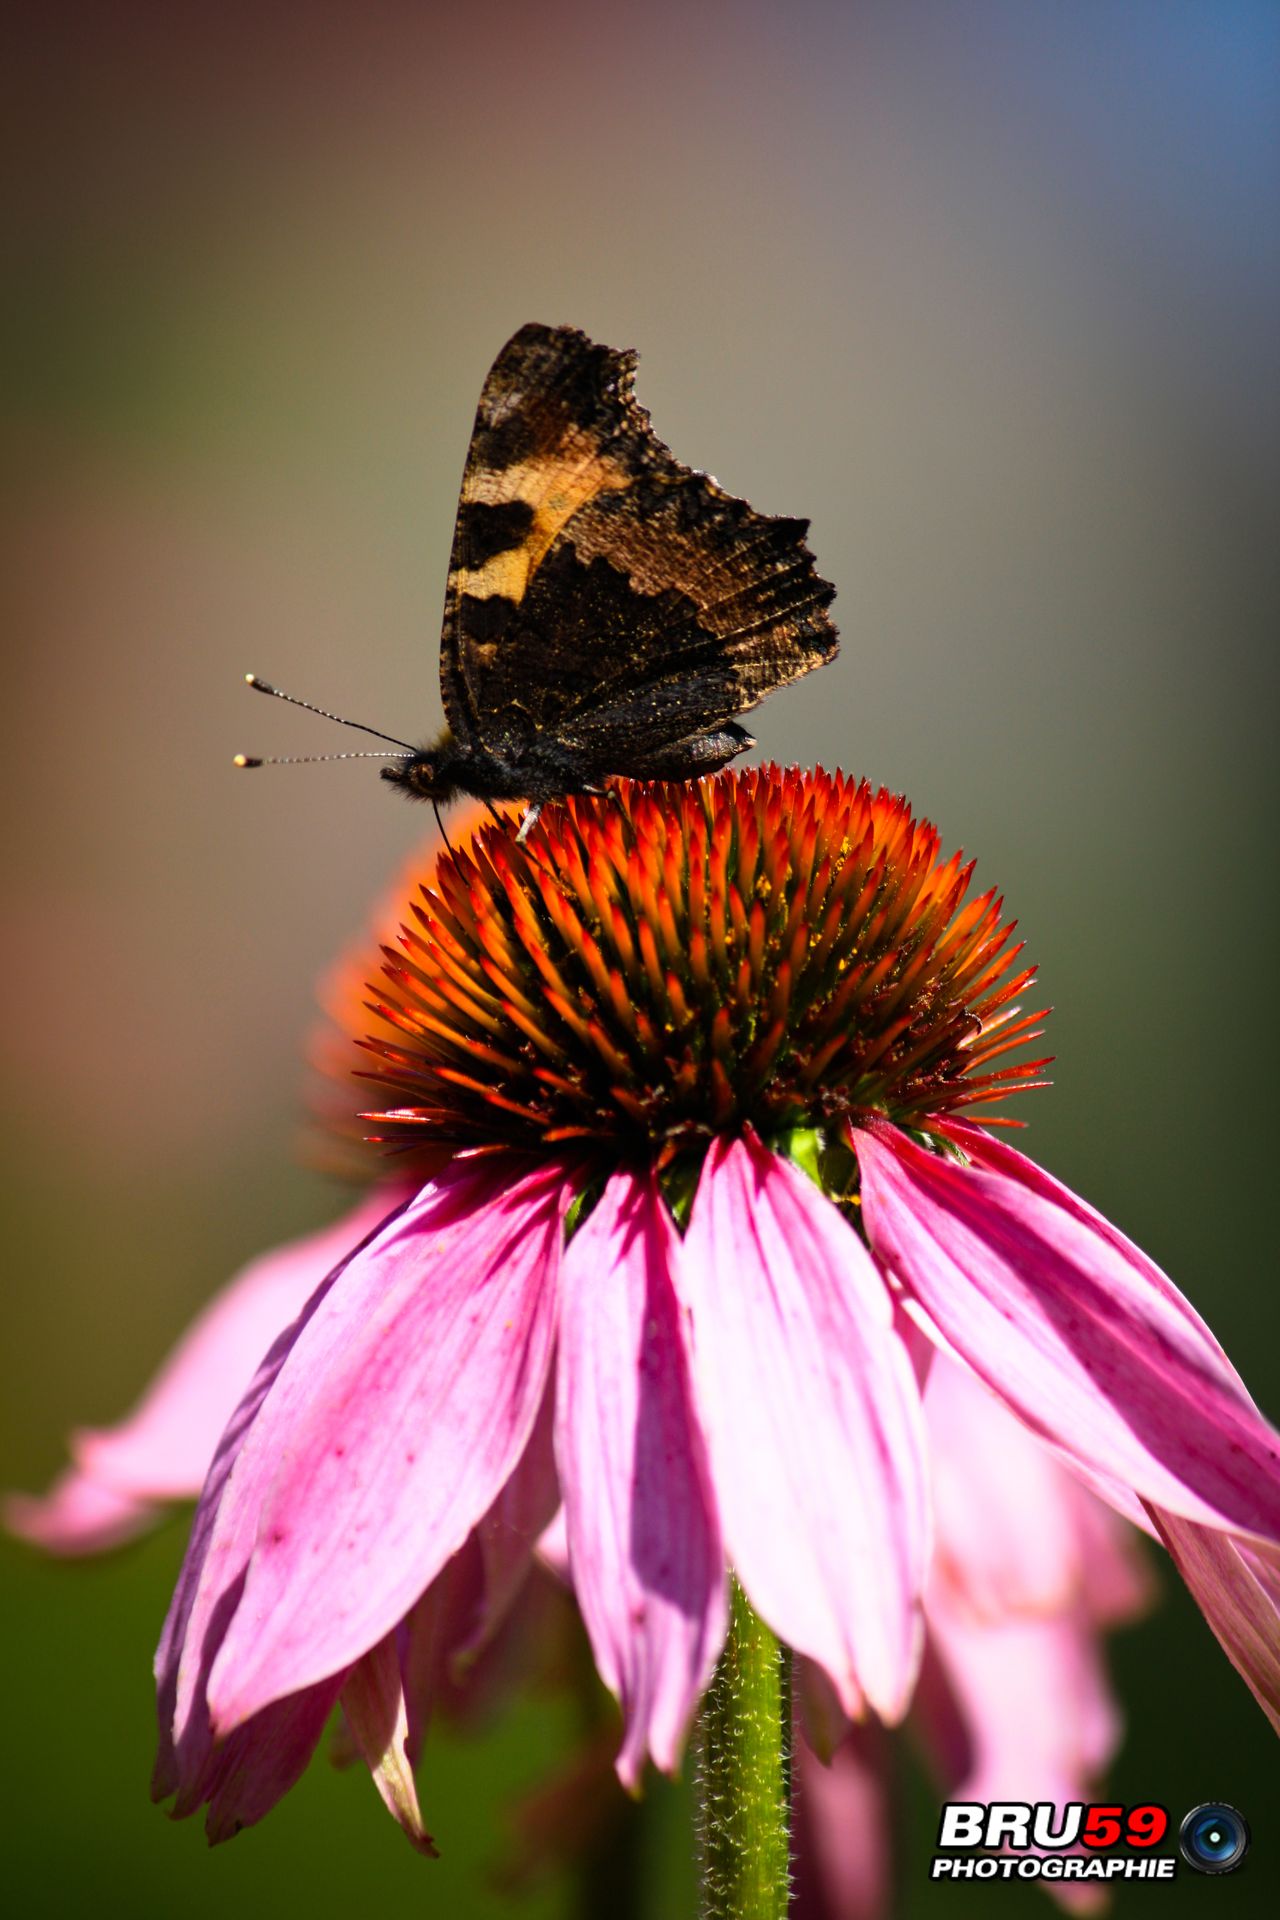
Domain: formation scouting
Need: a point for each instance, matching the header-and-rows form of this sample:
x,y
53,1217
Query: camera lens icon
x,y
1213,1838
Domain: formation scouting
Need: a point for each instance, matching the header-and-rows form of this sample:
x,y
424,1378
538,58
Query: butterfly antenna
x,y
311,759
278,693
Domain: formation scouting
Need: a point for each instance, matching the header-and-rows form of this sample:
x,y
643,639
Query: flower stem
x,y
744,1775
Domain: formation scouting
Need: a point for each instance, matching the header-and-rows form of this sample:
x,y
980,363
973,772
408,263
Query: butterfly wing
x,y
603,599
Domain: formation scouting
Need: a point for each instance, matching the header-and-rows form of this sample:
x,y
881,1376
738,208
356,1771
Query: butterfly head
x,y
429,774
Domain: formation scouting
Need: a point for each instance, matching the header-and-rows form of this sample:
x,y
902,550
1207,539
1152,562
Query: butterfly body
x,y
609,611
447,767
545,770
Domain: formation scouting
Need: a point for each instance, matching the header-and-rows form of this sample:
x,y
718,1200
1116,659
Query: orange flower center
x,y
766,947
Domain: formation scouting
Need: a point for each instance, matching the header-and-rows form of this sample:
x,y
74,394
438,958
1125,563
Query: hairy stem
x,y
744,1775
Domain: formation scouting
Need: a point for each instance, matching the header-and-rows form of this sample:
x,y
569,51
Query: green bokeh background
x,y
990,291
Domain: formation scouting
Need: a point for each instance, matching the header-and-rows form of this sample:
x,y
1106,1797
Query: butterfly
x,y
608,610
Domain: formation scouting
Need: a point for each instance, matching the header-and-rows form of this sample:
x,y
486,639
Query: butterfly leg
x,y
529,822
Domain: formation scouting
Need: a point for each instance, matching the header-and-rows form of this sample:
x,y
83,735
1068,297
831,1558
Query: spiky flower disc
x,y
768,947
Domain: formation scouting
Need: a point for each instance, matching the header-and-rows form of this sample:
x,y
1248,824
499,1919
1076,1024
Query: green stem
x,y
744,1775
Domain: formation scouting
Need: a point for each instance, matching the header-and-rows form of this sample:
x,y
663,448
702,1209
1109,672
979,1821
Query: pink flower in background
x,y
123,1477
756,1008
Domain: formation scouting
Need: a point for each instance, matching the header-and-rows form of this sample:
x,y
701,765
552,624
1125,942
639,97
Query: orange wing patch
x,y
553,487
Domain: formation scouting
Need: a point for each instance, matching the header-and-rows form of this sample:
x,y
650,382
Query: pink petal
x,y
813,1421
845,1830
77,1516
1119,1583
405,1402
439,1625
201,1606
374,1704
509,1532
455,1622
1071,1333
996,1156
553,1547
1237,1588
1033,1694
1030,1703
644,1541
1016,1532
260,1762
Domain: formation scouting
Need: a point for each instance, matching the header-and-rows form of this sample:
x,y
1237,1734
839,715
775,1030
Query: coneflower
x,y
707,1059
688,1098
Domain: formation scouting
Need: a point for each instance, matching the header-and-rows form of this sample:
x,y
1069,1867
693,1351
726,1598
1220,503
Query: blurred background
x,y
991,292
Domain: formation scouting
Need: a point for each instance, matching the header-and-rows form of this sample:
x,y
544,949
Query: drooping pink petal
x,y
223,1536
998,1157
443,1621
845,1829
1211,1563
1016,1532
1019,1711
1005,1543
1029,1566
207,1589
1237,1588
374,1704
1072,1335
813,1422
405,1402
509,1532
256,1767
553,1547
77,1516
162,1450
644,1541
451,1629
1033,1694
1119,1583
